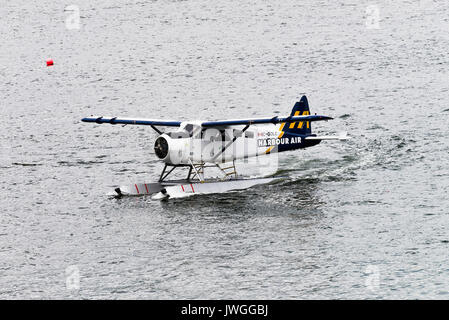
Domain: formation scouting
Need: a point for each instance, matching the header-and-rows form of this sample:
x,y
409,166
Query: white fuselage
x,y
220,145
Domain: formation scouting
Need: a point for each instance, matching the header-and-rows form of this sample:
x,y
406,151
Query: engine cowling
x,y
172,151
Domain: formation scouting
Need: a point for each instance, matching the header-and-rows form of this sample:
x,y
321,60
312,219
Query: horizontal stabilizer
x,y
342,137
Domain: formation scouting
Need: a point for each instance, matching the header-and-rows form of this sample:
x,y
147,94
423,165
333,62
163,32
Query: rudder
x,y
301,108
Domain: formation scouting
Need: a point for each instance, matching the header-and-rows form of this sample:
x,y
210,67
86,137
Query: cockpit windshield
x,y
187,131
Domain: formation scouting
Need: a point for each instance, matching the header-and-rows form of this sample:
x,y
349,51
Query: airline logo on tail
x,y
301,123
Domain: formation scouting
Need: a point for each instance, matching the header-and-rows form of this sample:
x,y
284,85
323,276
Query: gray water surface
x,y
368,218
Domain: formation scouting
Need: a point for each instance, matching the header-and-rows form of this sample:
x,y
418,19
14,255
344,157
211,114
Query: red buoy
x,y
49,62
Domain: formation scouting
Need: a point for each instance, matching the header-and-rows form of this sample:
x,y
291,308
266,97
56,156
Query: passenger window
x,y
249,134
237,133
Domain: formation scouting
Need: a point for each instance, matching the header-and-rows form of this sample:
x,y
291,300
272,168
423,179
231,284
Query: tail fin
x,y
304,127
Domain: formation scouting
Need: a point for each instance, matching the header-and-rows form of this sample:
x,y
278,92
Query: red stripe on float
x,y
192,188
146,188
182,188
137,189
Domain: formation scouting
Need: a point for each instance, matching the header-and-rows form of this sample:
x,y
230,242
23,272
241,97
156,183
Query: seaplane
x,y
198,145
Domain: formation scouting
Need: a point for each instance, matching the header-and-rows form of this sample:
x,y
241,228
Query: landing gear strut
x,y
196,170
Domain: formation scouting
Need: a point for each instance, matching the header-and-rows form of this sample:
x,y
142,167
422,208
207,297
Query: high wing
x,y
273,120
206,124
144,122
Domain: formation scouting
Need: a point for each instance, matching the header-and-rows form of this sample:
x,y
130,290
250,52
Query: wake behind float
x,y
196,145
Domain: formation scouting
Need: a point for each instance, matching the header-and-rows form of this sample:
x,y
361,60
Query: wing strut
x,y
156,129
229,144
166,174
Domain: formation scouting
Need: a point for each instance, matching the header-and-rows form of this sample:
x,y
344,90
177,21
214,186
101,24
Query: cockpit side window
x,y
189,128
178,134
187,131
